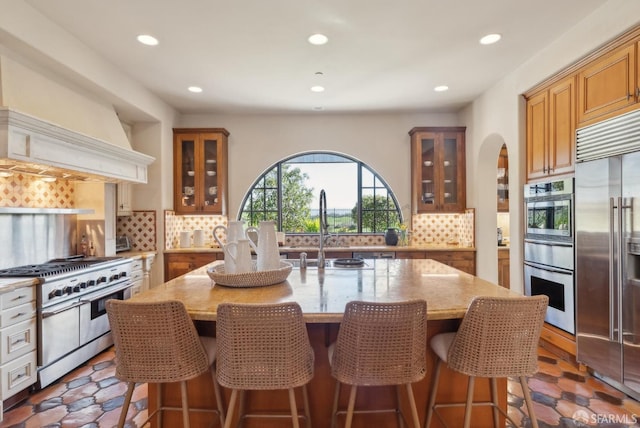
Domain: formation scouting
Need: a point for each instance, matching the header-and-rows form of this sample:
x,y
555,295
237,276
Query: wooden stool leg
x,y
412,403
307,408
294,408
433,393
494,399
218,394
159,404
334,414
231,408
352,404
125,405
469,405
185,404
527,399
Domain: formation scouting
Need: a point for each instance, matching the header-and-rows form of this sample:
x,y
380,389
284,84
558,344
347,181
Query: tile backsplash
x,y
141,229
426,229
27,191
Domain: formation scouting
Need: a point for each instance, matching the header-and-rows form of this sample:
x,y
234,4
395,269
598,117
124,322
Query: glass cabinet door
x,y
428,166
187,172
450,170
210,168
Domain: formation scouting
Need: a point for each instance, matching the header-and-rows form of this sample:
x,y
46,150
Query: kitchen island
x,y
322,297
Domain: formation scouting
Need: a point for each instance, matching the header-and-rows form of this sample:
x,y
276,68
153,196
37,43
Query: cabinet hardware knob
x,y
638,92
629,96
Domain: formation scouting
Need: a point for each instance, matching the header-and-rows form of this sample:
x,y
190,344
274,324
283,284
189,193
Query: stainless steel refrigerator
x,y
607,220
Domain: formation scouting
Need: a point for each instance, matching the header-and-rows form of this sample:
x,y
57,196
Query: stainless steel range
x,y
72,320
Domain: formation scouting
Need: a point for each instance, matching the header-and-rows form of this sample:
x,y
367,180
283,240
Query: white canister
x,y
237,257
267,248
198,238
185,239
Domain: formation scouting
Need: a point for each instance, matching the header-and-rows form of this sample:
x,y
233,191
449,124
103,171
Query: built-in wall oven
x,y
549,249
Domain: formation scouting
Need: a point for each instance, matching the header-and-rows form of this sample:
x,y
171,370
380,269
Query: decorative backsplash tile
x,y
426,229
141,228
27,191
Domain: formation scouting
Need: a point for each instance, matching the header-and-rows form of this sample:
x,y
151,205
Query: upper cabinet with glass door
x,y
438,169
200,170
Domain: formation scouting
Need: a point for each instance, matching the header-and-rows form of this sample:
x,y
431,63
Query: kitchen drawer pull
x,y
18,315
22,339
21,375
20,297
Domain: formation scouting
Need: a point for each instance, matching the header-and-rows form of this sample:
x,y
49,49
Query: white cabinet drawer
x,y
136,275
17,314
18,374
17,340
17,297
136,264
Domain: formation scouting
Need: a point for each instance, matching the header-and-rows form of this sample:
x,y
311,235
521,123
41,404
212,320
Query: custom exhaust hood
x,y
46,128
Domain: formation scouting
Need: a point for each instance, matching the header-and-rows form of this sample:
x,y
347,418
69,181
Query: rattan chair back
x,y
155,342
381,343
263,346
498,337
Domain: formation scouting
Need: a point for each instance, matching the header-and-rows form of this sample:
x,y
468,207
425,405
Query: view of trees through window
x,y
358,200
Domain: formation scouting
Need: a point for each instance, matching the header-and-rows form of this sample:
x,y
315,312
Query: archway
x,y
486,209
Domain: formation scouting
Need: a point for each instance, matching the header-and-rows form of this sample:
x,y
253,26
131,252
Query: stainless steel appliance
x,y
72,320
549,250
608,250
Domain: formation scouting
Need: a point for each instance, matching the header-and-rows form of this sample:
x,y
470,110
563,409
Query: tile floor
x,y
91,397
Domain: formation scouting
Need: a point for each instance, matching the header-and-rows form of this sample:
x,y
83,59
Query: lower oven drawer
x,y
18,374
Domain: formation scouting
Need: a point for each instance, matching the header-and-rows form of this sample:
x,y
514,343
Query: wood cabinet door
x,y
562,127
504,268
608,84
200,171
179,264
537,136
438,169
462,260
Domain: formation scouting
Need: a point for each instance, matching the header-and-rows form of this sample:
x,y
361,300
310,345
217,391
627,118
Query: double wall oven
x,y
71,314
549,248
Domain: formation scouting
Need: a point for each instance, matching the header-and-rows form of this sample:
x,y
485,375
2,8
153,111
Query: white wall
x,y
256,142
499,114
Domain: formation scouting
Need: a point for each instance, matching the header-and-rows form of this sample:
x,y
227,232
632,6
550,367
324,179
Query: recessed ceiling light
x,y
6,174
195,89
148,40
490,39
441,88
318,108
317,89
318,39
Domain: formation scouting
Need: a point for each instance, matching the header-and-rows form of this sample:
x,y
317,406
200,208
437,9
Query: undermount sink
x,y
346,263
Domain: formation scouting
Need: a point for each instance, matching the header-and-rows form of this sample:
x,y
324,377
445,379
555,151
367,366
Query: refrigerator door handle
x,y
619,279
612,273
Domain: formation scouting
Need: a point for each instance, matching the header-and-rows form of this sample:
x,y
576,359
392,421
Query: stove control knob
x,y
82,285
102,279
91,283
123,274
76,289
55,293
67,290
114,277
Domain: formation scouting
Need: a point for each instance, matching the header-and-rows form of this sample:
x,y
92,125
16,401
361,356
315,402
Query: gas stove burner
x,y
54,267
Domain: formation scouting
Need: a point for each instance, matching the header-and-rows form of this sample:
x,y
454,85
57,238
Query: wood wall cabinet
x,y
503,180
438,182
176,264
609,84
504,268
124,199
551,125
200,171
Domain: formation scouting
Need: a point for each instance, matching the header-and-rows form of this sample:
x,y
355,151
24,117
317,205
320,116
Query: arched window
x,y
358,199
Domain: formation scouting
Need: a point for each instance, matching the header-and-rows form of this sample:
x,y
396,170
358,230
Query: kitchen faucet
x,y
324,227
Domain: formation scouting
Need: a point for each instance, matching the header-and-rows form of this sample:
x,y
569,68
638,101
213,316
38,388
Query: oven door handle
x,y
110,291
549,268
59,311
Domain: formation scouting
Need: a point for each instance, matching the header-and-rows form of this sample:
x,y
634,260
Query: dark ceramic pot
x,y
391,236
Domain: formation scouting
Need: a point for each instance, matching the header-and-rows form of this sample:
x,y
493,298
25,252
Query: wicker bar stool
x,y
158,343
264,347
380,344
498,338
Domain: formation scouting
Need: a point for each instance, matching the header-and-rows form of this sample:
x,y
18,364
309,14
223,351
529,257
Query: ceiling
x,y
252,56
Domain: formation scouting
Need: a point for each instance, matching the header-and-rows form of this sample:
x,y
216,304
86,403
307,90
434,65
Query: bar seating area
x,y
498,338
380,344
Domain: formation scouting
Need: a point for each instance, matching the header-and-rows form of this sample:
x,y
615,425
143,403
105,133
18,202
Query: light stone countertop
x,y
323,297
8,285
347,249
